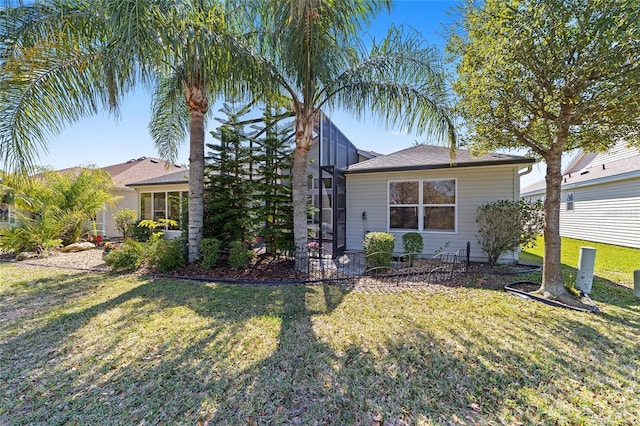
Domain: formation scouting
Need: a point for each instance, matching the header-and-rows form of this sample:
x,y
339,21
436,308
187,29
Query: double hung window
x,y
423,205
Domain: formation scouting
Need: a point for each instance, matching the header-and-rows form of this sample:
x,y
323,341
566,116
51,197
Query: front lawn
x,y
613,263
79,348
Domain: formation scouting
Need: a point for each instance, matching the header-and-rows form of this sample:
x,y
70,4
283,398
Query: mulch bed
x,y
262,269
266,269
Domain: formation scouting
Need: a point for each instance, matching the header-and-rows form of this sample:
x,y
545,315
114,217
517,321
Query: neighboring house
x,y
421,189
163,197
124,174
141,170
7,215
600,196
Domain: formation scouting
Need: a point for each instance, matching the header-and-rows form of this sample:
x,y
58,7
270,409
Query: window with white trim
x,y
423,205
570,201
163,205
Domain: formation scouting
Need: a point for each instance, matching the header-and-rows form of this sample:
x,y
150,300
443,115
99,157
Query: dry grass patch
x,y
103,349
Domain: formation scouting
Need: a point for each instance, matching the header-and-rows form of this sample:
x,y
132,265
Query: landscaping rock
x,y
78,247
26,255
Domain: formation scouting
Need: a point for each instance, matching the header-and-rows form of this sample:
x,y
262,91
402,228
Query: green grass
x,y
614,263
90,349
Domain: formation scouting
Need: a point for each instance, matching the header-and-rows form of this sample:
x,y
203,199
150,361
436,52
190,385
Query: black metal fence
x,y
353,268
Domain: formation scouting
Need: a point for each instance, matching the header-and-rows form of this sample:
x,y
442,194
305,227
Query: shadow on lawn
x,y
411,372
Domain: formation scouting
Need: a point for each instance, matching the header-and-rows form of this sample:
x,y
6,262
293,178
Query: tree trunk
x,y
198,106
552,281
304,133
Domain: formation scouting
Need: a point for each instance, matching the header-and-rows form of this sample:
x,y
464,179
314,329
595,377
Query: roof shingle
x,y
424,157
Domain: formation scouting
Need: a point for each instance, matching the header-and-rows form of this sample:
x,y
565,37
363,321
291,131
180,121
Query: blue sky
x,y
102,141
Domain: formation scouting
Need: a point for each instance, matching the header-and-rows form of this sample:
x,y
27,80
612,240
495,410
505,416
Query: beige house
x,y
124,175
163,197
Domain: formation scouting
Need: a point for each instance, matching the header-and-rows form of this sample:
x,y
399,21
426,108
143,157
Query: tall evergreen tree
x,y
274,159
229,188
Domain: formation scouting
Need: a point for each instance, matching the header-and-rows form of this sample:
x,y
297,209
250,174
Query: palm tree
x,y
61,61
308,51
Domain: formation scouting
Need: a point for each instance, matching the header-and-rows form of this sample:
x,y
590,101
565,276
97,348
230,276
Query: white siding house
x,y
440,198
600,198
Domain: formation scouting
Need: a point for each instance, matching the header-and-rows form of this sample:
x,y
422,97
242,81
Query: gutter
x,y
439,166
598,181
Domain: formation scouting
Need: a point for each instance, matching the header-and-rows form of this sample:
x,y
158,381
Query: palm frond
x,y
169,122
53,73
400,81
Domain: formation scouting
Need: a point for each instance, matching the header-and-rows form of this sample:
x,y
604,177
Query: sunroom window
x,y
162,205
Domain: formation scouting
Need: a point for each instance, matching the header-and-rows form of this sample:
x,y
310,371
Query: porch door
x,y
340,212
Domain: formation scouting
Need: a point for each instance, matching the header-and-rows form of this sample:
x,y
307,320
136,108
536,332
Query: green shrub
x,y
506,225
239,255
166,255
412,244
210,252
139,233
125,220
128,256
378,249
32,235
56,205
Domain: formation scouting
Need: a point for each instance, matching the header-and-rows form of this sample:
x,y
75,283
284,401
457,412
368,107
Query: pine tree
x,y
228,187
274,158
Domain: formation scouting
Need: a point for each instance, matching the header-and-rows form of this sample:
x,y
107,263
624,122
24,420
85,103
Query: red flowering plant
x,y
110,246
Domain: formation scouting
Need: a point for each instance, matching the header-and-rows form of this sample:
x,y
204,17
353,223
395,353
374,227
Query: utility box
x,y
586,264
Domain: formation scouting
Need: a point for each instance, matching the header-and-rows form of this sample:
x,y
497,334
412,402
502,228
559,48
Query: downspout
x,y
518,176
104,220
516,189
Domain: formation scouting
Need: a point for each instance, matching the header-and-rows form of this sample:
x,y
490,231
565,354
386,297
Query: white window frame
x,y
166,201
421,206
570,203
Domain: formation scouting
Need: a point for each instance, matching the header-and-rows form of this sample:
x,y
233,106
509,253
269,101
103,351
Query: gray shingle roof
x,y
181,176
139,169
425,157
614,168
625,167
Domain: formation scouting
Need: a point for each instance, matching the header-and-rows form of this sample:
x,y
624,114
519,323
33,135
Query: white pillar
x,y
636,283
586,262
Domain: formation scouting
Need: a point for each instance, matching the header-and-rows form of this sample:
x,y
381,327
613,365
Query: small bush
x,y
166,255
506,225
139,233
412,243
239,255
125,220
210,252
128,256
378,249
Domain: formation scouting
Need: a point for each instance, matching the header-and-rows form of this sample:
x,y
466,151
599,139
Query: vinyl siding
x,y
607,213
475,186
618,152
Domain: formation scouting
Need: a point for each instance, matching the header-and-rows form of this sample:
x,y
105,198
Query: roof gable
x,y
621,161
140,169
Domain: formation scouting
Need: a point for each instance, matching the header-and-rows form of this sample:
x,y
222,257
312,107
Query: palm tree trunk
x,y
198,106
304,133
